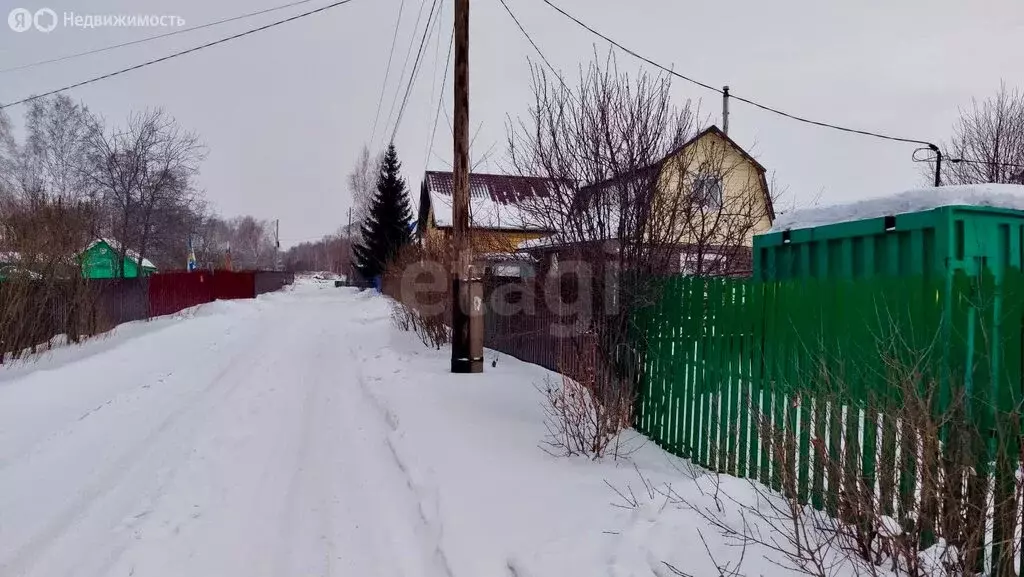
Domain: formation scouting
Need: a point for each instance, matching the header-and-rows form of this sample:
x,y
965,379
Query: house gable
x,y
713,149
709,153
99,261
713,164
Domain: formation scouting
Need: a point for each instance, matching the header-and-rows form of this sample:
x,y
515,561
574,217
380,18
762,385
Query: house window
x,y
709,265
708,190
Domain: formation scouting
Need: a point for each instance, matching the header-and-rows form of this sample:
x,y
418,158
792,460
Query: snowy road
x,y
239,442
302,435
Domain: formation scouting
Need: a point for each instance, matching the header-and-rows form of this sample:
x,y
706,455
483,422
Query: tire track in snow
x,y
131,462
304,466
238,494
426,498
50,419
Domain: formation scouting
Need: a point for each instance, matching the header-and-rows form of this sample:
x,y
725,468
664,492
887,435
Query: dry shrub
x,y
418,281
44,294
587,408
932,506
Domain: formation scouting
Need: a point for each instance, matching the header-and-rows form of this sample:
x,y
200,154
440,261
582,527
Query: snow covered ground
x,y
300,434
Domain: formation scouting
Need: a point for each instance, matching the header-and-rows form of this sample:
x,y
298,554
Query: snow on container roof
x,y
1010,196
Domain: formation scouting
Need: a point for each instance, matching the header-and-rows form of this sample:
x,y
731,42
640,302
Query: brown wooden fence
x,y
272,281
33,312
526,320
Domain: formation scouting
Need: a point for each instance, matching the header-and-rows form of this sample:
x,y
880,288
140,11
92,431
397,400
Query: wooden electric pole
x,y
467,296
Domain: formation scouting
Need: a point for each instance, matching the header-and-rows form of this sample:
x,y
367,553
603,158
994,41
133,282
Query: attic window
x,y
691,264
708,190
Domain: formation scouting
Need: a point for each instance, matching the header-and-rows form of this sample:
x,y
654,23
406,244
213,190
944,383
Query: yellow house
x,y
707,200
498,224
714,191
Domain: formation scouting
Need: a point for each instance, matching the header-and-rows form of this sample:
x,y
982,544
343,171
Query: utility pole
x,y
277,244
346,268
467,293
725,109
938,164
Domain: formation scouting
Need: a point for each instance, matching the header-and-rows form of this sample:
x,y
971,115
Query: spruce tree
x,y
387,228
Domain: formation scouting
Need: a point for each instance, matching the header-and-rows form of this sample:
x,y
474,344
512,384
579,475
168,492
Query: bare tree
x,y
42,181
8,158
362,185
252,243
167,193
58,136
211,240
630,201
990,134
145,173
44,220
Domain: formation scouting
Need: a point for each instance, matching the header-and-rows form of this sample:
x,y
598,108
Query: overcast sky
x,y
285,112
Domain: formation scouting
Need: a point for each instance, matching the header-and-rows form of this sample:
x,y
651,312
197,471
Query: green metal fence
x,y
811,386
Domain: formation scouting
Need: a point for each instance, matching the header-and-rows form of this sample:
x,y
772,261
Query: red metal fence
x,y
229,285
176,291
172,292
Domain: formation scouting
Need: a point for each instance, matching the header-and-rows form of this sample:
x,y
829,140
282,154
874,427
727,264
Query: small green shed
x,y
919,232
99,261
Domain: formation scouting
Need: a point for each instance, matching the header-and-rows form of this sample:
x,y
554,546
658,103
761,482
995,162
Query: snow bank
x,y
303,435
500,505
991,195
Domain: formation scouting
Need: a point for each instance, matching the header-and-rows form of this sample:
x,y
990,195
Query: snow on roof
x,y
504,257
991,195
540,242
146,263
495,200
15,271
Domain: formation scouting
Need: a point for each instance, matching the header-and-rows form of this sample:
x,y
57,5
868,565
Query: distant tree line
x,y
74,177
333,253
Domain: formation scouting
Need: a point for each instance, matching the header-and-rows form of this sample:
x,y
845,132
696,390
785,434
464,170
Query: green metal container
x,y
937,241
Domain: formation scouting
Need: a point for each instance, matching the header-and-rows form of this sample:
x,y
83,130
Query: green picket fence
x,y
811,386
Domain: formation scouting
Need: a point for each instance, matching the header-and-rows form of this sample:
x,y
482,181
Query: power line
x,y
387,74
731,95
437,56
440,103
151,38
176,54
416,67
535,47
984,162
405,65
955,160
